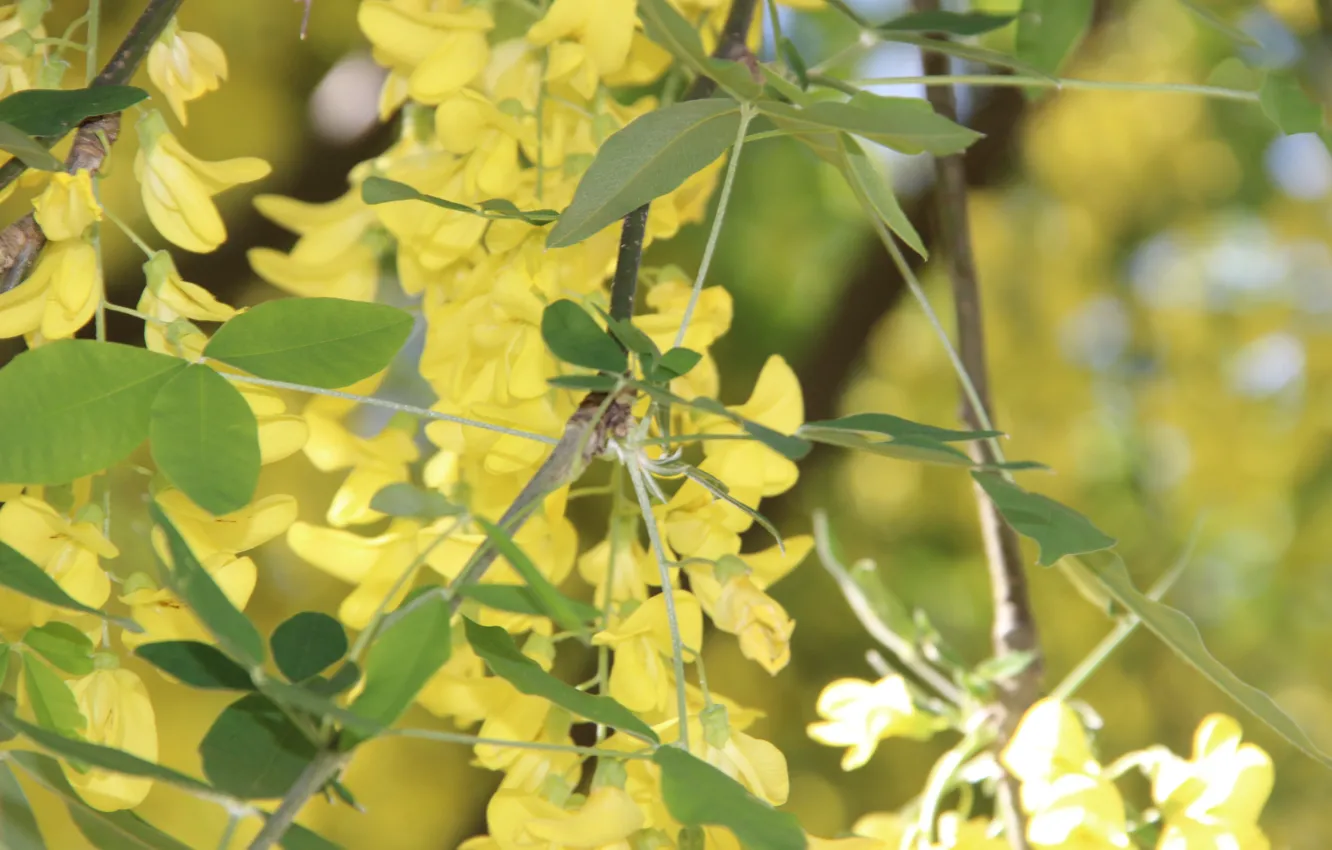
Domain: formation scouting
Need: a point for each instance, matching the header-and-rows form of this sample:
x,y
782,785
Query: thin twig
x,y
1014,627
325,766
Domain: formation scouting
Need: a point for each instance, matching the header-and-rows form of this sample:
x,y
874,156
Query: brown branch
x,y
1014,628
22,242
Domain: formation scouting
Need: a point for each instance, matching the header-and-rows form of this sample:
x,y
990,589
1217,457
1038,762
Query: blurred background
x,y
1157,281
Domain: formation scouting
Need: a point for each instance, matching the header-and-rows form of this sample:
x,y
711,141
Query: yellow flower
x,y
860,714
698,524
635,570
67,206
67,551
375,463
178,188
755,763
119,714
958,834
168,297
185,66
777,403
1214,799
1079,812
641,677
281,434
604,27
882,826
761,624
331,259
373,564
522,820
162,614
1048,743
251,526
58,298
436,52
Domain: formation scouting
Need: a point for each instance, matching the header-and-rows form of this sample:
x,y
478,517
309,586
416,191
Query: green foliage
x,y
381,190
1049,30
306,644
318,342
969,52
53,703
519,599
63,645
867,182
253,750
668,28
408,500
26,149
191,582
1285,103
412,644
905,440
75,407
199,665
1179,633
205,440
18,826
1057,529
904,124
951,23
649,157
503,657
574,336
674,364
553,603
54,112
23,576
698,794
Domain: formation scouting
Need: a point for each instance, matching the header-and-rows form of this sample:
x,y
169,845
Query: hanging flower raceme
x,y
859,714
185,66
178,188
334,256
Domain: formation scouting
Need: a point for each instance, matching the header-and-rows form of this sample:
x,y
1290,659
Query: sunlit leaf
x,y
969,52
585,383
698,794
404,499
675,363
63,645
52,702
575,337
1049,30
27,150
381,190
74,407
23,576
865,178
18,825
1057,529
412,644
501,654
1286,104
320,342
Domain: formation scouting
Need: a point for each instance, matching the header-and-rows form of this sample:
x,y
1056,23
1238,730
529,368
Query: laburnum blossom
x,y
117,714
603,28
859,714
21,59
518,819
374,463
69,551
1214,798
373,564
59,296
776,403
333,258
178,187
431,53
163,616
641,677
168,298
67,206
1069,803
185,66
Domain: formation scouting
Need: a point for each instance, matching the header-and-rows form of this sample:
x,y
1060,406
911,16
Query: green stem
x,y
668,592
1044,82
625,282
116,308
472,740
747,113
831,82
118,71
90,57
128,231
540,125
325,766
229,832
608,594
413,410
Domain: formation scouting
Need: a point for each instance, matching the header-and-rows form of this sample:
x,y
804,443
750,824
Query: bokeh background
x,y
1157,280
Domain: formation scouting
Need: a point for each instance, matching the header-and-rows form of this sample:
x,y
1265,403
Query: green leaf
x,y
1286,105
52,701
792,448
905,124
75,407
1057,529
205,440
254,751
63,645
698,794
199,665
719,490
674,363
305,698
502,655
896,427
553,603
877,192
403,499
232,630
907,440
1221,25
952,23
791,56
27,150
298,837
54,112
346,676
105,830
306,644
630,336
518,599
18,825
380,190
1179,633
648,158
667,27
320,342
735,77
413,643
968,52
107,758
586,383
1049,30
575,337
23,576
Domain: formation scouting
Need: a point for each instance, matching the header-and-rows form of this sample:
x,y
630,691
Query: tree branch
x,y
1014,627
22,242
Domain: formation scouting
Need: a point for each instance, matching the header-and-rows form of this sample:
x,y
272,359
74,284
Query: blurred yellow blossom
x,y
68,551
859,714
162,614
119,715
185,66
